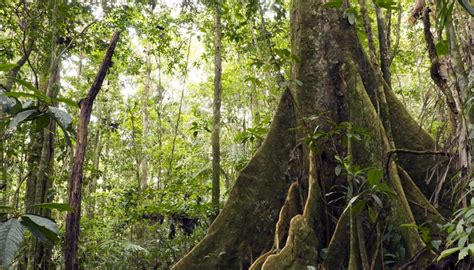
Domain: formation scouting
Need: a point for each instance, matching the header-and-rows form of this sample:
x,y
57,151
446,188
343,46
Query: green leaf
x,y
333,4
377,200
436,244
66,101
57,206
61,116
351,202
351,15
7,103
442,48
43,228
358,207
387,4
373,176
283,84
462,241
444,14
409,225
470,249
384,188
338,170
448,252
21,94
7,66
63,119
11,235
462,254
130,247
295,58
18,118
40,95
469,213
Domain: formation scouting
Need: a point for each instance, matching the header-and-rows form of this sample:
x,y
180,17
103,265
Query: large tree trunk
x,y
340,86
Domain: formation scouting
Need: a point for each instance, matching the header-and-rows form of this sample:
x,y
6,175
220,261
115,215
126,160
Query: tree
x,y
216,125
75,184
278,215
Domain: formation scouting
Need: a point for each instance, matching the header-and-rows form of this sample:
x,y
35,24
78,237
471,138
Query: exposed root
x,y
241,230
423,211
258,263
290,209
299,251
302,243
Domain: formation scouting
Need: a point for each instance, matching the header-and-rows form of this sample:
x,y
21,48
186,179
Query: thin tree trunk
x,y
75,184
460,93
384,50
97,149
215,137
39,252
144,139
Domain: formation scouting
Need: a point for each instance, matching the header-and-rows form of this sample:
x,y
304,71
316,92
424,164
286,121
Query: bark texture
x,y
340,87
241,232
216,125
75,184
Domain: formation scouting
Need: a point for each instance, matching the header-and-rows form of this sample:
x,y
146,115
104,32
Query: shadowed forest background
x,y
236,134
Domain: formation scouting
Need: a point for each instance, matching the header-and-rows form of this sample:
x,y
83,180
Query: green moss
x,y
245,227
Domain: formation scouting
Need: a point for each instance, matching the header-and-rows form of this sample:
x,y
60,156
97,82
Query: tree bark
x,y
97,149
75,184
216,125
241,232
144,138
340,85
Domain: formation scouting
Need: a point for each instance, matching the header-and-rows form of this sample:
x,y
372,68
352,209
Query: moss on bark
x,y
242,232
338,83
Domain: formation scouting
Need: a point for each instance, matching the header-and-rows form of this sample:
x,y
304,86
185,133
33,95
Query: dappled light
x,y
236,134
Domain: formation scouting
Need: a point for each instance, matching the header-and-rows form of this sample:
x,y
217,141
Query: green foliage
x,y
442,48
387,4
7,66
351,15
41,227
444,14
62,207
460,232
125,226
11,235
333,4
395,252
27,111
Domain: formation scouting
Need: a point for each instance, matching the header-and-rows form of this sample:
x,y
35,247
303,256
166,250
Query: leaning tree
x,y
340,178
